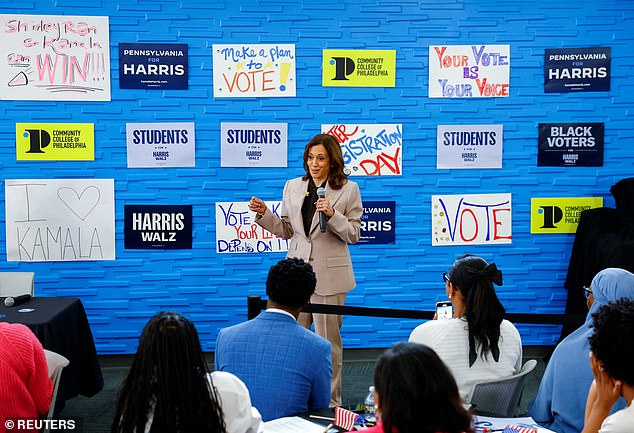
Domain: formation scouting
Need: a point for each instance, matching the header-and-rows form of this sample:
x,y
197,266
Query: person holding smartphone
x,y
476,343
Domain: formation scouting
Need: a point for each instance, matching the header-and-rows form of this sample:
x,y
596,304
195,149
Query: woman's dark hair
x,y
169,378
474,277
336,177
611,342
417,393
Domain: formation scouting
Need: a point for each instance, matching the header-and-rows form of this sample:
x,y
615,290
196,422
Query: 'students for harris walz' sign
x,y
166,227
570,144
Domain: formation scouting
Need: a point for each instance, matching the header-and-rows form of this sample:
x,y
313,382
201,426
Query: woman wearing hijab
x,y
561,399
477,343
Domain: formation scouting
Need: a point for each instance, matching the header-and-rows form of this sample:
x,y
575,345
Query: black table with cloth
x,y
61,326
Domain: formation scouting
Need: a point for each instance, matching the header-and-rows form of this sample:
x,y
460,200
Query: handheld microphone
x,y
17,300
321,193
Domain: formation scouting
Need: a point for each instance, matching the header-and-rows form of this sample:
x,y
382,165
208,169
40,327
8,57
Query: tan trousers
x,y
328,326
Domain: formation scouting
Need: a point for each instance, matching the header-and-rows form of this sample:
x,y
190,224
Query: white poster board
x,y
153,145
253,144
59,220
369,150
254,70
469,146
471,219
469,71
236,231
54,58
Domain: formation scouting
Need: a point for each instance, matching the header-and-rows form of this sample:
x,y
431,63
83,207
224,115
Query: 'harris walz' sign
x,y
153,66
165,227
577,70
377,222
570,144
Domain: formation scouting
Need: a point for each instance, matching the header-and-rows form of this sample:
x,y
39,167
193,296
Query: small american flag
x,y
345,418
518,429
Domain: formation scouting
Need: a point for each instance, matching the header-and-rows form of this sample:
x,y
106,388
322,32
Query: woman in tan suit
x,y
326,251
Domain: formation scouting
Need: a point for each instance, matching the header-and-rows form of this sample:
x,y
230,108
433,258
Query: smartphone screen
x,y
444,310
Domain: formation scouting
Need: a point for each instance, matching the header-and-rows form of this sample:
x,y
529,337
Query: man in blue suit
x,y
286,367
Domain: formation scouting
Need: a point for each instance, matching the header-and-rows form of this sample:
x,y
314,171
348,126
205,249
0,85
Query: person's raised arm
x,y
607,393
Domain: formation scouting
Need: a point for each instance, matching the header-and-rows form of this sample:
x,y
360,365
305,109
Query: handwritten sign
x,y
59,220
369,150
469,146
253,144
55,141
469,71
153,145
236,231
471,219
55,58
560,215
248,70
359,68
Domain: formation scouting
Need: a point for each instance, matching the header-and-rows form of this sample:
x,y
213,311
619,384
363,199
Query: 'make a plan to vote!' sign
x,y
570,144
469,71
254,70
471,219
153,66
165,227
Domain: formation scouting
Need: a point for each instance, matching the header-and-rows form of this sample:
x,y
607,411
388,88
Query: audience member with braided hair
x,y
477,343
169,387
416,393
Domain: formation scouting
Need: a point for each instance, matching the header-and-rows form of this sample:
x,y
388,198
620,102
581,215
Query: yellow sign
x,y
561,214
359,68
55,141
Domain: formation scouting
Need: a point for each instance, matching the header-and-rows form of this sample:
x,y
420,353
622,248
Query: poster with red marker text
x,y
369,150
471,219
54,58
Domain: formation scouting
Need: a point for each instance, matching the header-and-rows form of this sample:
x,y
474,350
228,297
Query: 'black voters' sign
x,y
570,144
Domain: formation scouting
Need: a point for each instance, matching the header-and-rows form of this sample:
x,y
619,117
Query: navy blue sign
x,y
577,70
153,66
377,222
164,227
570,144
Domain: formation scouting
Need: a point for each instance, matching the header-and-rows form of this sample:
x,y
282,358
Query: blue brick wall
x,y
211,288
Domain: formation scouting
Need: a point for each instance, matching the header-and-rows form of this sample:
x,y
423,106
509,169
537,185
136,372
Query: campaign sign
x,y
577,70
570,144
253,144
236,231
55,141
471,219
560,215
153,66
163,227
469,71
152,145
59,220
359,68
378,222
254,70
369,150
469,146
54,58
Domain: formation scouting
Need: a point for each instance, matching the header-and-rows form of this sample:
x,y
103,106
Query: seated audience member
x,y
25,388
611,361
285,366
416,393
169,387
559,404
477,343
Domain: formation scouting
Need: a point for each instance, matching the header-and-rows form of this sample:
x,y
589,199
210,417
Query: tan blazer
x,y
327,252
